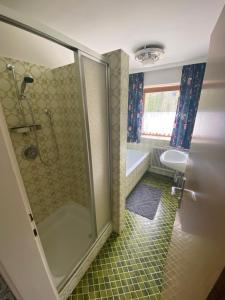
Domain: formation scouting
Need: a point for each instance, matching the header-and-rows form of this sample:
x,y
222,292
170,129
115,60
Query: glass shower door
x,y
40,93
95,84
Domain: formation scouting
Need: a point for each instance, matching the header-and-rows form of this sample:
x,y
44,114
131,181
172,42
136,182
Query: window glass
x,y
159,113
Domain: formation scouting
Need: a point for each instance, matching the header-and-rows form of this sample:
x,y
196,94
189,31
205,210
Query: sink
x,y
174,159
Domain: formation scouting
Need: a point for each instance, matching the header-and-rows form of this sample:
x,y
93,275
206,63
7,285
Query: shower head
x,y
28,78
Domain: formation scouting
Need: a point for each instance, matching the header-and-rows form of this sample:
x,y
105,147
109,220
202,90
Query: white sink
x,y
174,159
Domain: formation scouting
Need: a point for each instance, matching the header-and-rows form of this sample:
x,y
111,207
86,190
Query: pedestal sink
x,y
174,159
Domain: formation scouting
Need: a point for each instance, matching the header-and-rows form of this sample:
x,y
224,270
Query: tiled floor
x,y
130,266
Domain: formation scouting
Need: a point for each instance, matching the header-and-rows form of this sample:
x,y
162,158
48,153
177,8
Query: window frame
x,y
155,89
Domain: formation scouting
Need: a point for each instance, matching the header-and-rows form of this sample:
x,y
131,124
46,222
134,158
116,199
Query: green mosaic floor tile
x,y
131,265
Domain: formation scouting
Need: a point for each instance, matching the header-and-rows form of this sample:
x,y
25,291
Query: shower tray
x,y
66,236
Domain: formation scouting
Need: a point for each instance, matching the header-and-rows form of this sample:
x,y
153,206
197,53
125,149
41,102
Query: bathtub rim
x,y
138,162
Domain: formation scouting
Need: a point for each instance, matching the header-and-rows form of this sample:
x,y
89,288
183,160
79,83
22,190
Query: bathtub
x,y
137,163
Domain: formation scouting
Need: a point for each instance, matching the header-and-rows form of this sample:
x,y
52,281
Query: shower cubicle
x,y
55,104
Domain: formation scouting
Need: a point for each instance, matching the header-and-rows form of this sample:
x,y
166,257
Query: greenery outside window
x,y
159,110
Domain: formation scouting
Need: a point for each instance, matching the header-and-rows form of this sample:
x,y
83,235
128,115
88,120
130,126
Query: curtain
x,y
135,107
190,90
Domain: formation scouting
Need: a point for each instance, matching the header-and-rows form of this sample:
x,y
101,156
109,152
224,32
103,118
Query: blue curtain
x,y
190,90
135,107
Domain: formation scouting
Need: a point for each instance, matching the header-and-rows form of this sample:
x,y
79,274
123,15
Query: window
x,y
159,110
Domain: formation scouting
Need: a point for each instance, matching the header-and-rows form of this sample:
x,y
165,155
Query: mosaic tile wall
x,y
133,178
5,292
119,74
64,179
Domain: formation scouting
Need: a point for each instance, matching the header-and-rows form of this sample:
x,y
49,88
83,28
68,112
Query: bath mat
x,y
144,200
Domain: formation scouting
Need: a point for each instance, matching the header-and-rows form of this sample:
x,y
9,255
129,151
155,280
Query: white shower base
x,y
66,236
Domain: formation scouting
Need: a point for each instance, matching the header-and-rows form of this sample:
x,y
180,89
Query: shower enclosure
x,y
55,103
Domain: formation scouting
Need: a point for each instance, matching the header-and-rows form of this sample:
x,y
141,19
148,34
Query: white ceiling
x,y
182,26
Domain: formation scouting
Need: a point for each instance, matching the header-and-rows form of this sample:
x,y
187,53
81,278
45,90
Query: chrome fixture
x,y
50,117
31,151
182,190
149,55
28,78
25,129
12,69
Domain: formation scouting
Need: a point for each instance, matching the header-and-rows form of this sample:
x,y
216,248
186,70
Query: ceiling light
x,y
149,55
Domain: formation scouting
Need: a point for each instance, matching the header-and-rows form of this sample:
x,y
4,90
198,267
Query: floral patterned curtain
x,y
190,90
135,107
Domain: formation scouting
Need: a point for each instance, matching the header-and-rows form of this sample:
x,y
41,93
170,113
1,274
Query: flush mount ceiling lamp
x,y
149,55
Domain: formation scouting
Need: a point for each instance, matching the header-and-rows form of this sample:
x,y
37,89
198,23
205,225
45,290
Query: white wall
x,y
163,76
23,45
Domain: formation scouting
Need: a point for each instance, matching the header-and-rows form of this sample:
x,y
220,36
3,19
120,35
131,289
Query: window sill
x,y
156,137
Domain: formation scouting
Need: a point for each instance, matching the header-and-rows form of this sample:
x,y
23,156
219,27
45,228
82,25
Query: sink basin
x,y
174,159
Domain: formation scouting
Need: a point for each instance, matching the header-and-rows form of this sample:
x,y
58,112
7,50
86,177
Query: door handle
x,y
182,190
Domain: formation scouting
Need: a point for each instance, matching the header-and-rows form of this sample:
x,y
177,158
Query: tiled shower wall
x,y
64,178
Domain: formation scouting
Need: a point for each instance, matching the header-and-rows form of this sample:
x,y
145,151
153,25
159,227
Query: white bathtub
x,y
137,163
134,158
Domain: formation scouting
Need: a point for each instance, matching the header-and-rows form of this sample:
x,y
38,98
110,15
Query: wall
x,y
165,76
119,74
32,48
64,179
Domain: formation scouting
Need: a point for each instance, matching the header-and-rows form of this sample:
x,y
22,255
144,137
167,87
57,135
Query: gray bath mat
x,y
144,200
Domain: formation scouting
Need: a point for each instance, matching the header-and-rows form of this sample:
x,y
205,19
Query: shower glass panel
x,y
94,76
40,93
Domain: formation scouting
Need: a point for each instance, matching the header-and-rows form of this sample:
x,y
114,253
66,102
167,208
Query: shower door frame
x,y
103,61
13,19
87,141
101,237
